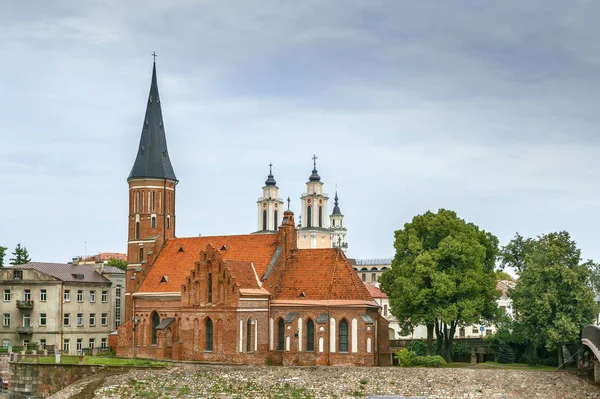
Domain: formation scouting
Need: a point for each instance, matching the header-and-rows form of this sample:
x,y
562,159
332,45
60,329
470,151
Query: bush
x,y
407,358
505,353
461,349
419,347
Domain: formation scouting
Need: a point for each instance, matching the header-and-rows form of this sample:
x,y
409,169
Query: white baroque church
x,y
315,229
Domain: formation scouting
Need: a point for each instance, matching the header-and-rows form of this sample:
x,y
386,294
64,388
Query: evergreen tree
x,y
21,256
2,255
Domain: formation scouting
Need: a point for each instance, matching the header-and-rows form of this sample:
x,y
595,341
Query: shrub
x,y
460,349
419,347
430,361
405,358
505,353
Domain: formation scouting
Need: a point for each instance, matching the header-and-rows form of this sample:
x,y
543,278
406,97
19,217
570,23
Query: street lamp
x,y
135,320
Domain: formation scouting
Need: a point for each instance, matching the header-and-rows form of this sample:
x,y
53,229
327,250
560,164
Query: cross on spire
x,y
314,158
154,55
270,168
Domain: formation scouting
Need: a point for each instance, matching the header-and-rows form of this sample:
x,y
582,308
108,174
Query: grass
x,y
97,360
499,366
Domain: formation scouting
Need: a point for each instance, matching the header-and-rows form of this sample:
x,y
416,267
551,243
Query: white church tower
x,y
270,206
338,231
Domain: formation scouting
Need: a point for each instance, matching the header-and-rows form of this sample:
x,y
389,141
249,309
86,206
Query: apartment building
x,y
57,306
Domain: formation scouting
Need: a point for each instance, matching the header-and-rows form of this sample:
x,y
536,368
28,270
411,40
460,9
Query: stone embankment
x,y
228,382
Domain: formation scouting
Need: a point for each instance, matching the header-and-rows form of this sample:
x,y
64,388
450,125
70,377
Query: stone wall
x,y
42,380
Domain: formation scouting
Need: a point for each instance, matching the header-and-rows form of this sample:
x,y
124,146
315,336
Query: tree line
x,y
20,256
444,276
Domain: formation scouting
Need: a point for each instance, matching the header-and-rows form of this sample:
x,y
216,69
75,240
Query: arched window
x,y
264,224
155,323
153,201
209,289
275,220
137,230
308,216
209,335
249,336
310,336
320,216
343,336
280,334
153,222
141,254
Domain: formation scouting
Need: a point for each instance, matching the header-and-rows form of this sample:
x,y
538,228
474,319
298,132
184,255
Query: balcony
x,y
25,330
25,304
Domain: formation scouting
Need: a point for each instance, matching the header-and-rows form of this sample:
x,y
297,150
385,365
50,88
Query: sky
x,y
486,108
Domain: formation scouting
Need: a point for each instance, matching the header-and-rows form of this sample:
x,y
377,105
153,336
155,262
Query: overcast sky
x,y
490,109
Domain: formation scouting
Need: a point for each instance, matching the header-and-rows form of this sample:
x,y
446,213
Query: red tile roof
x,y
243,273
320,274
256,248
375,291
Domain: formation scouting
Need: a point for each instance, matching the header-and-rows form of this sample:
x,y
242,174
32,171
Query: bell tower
x,y
338,239
152,184
314,227
270,206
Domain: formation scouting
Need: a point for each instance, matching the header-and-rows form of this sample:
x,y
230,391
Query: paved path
x,y
229,382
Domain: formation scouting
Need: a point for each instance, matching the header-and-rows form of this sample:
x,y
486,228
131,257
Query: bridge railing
x,y
591,338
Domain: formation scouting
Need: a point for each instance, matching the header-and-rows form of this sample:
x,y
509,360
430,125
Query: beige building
x,y
57,306
369,270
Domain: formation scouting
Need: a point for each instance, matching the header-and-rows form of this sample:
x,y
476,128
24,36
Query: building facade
x,y
57,306
248,299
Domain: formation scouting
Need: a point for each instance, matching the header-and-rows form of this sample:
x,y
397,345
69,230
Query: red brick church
x,y
248,299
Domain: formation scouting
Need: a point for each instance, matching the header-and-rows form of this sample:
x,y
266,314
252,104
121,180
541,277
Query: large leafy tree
x,y
121,264
21,256
554,297
442,276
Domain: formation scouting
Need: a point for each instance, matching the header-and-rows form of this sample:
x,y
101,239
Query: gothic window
x,y
155,323
275,222
137,230
308,216
264,220
280,334
343,336
153,222
209,289
141,254
310,336
153,201
320,216
168,222
209,335
249,335
137,202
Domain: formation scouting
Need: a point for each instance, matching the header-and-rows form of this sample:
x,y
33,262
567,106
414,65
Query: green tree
x,y
553,298
121,264
21,256
442,276
2,255
502,275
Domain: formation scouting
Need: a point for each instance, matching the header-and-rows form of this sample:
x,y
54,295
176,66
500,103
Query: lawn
x,y
97,360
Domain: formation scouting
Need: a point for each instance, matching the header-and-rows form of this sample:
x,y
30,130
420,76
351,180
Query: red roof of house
x,y
320,274
179,256
376,292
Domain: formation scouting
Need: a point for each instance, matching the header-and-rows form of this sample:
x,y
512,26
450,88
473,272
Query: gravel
x,y
229,382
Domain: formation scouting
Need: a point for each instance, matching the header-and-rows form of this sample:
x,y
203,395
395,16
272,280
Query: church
x,y
285,294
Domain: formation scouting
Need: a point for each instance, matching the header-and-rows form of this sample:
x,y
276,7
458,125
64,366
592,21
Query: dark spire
x,y
270,180
315,175
336,208
153,158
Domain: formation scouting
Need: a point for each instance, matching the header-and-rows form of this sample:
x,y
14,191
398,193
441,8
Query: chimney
x,y
287,232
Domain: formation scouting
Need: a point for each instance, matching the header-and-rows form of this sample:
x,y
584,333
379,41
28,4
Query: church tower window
x,y
141,254
275,222
264,220
168,222
320,216
137,230
153,201
309,216
153,222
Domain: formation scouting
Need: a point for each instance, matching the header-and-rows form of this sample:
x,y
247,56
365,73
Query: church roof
x,y
320,274
270,179
179,255
336,208
152,160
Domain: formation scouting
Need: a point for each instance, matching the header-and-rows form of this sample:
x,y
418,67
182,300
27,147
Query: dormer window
x,y
165,279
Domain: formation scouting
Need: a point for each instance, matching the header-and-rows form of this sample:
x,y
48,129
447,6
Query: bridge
x,y
591,338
